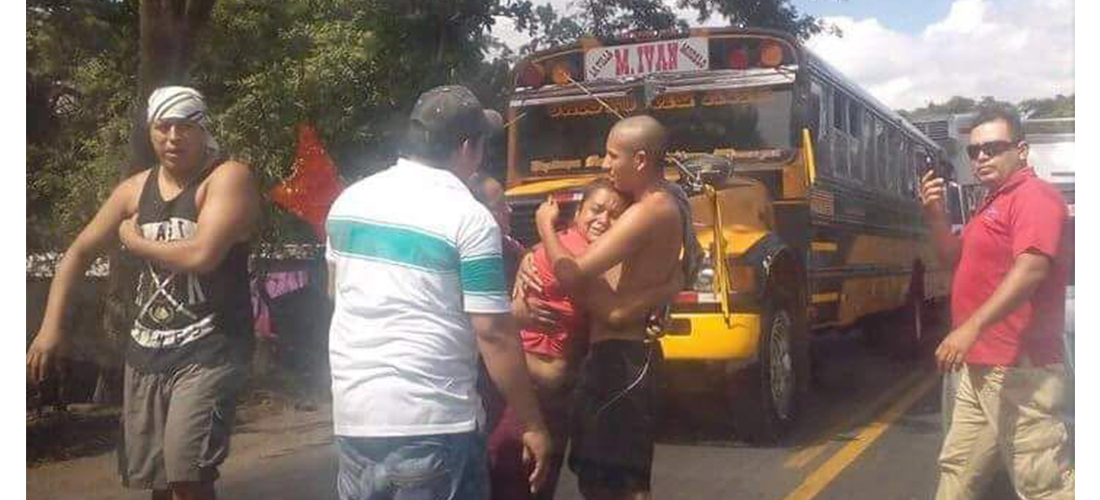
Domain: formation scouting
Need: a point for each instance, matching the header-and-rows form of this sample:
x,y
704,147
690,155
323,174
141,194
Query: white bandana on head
x,y
182,103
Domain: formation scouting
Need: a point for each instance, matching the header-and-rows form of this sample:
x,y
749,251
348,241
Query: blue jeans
x,y
433,467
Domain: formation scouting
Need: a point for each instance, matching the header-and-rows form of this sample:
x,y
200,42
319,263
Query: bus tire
x,y
765,397
872,328
912,319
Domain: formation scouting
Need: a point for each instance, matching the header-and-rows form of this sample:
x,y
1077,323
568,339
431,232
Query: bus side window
x,y
841,139
920,166
914,170
955,203
897,165
905,169
813,111
882,154
893,148
862,131
855,128
819,113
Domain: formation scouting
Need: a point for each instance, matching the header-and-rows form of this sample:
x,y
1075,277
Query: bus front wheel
x,y
764,397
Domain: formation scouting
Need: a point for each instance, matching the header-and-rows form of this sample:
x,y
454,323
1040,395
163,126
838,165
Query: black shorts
x,y
614,415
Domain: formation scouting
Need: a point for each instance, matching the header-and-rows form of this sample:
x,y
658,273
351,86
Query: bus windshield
x,y
753,124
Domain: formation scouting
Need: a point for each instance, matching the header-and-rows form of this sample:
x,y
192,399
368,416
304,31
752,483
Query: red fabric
x,y
313,183
555,342
507,472
1025,215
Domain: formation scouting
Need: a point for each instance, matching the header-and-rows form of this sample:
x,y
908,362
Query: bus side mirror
x,y
706,169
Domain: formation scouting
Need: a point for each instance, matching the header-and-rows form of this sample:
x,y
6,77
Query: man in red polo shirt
x,y
1008,310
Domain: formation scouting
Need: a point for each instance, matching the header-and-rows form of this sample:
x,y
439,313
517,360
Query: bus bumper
x,y
709,337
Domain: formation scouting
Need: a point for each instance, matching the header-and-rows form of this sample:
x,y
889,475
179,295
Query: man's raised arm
x,y
228,216
45,351
933,195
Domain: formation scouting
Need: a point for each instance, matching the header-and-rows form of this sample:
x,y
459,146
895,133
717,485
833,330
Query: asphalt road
x,y
871,429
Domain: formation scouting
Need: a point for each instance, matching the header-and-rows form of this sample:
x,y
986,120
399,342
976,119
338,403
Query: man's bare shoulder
x,y
231,171
655,210
231,182
130,188
135,181
660,205
231,176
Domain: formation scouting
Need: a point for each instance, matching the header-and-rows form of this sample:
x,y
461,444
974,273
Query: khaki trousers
x,y
1013,411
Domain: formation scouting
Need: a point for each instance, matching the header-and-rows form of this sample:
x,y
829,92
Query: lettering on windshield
x,y
751,154
624,105
542,167
674,101
720,97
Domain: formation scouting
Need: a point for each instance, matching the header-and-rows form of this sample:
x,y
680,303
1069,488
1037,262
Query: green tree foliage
x,y
81,71
605,18
1059,106
353,68
169,31
775,14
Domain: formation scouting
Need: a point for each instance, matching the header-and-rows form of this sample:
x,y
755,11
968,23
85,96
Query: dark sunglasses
x,y
991,148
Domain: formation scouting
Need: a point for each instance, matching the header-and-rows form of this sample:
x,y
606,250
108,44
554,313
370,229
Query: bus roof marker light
x,y
739,58
771,55
561,73
531,75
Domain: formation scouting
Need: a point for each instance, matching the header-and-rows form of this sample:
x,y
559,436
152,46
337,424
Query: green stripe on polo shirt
x,y
392,244
483,275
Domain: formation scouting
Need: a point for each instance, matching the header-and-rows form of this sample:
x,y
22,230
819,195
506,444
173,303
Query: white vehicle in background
x,y
1053,153
1069,330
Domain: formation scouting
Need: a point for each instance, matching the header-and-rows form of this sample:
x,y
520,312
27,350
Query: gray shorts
x,y
176,424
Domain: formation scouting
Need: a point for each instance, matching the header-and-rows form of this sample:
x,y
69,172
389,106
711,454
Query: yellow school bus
x,y
803,188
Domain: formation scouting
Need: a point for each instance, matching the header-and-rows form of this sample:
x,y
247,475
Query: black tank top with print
x,y
186,318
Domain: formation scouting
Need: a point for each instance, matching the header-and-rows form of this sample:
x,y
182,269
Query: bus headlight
x,y
704,280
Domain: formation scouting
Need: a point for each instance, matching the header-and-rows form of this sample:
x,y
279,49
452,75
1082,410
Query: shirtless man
x,y
614,428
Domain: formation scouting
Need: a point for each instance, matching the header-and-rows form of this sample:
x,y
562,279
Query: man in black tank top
x,y
189,219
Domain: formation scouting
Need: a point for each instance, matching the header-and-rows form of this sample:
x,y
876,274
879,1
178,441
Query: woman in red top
x,y
557,328
554,332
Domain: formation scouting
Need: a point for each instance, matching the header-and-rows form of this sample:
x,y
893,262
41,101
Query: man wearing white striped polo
x,y
418,284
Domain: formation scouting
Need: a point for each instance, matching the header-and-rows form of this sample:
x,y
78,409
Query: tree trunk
x,y
169,29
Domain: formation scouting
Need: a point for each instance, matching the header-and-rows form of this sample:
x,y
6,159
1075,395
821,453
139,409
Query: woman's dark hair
x,y
600,184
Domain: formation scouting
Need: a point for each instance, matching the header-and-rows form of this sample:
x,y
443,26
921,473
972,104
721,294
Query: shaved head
x,y
642,133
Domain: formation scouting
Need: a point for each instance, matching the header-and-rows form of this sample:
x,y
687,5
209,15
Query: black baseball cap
x,y
448,114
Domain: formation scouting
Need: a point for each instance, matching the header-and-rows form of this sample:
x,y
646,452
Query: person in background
x,y
490,193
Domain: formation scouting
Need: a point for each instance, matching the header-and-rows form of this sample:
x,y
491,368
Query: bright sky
x,y
906,17
907,53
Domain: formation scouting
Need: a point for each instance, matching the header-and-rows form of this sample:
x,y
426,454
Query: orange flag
x,y
313,183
